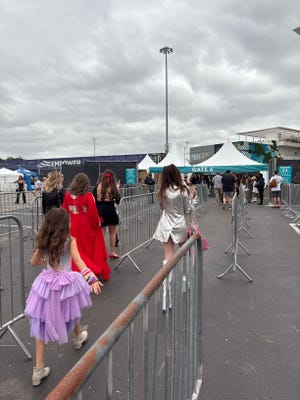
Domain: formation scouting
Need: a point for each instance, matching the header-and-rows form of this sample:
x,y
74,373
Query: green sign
x,y
286,173
131,178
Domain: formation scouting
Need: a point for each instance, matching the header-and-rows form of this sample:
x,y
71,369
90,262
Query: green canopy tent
x,y
228,157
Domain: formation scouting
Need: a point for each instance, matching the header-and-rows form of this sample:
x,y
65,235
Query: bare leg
x,y
39,371
103,231
39,353
168,253
77,329
112,237
168,249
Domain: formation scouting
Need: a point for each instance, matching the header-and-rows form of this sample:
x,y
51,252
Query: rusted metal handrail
x,y
71,384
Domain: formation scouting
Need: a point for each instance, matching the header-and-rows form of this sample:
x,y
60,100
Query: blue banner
x,y
131,177
286,173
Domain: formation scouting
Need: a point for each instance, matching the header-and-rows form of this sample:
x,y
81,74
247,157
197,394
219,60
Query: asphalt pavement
x,y
251,330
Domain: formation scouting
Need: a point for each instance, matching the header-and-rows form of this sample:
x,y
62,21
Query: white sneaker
x,y
38,374
80,339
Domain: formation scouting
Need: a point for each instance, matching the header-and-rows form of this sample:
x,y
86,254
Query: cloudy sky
x,y
78,76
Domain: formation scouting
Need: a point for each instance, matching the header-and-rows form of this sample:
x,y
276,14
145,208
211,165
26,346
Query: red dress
x,y
89,237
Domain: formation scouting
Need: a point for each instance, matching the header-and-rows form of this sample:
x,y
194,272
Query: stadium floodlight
x,y
166,50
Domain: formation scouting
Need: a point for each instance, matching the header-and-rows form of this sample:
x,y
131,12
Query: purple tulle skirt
x,y
54,304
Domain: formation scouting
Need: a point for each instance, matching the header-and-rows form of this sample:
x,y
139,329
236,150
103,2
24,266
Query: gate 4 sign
x,y
286,173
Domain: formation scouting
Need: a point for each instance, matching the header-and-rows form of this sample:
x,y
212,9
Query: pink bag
x,y
194,228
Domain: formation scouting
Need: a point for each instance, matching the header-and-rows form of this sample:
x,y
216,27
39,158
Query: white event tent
x,y
228,158
176,156
146,163
7,179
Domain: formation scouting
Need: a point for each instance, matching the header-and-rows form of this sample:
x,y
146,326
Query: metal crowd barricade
x,y
12,280
138,216
290,198
36,217
236,229
202,196
134,190
22,211
244,226
145,353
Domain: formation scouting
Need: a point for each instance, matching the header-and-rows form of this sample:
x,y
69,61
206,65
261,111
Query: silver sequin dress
x,y
174,219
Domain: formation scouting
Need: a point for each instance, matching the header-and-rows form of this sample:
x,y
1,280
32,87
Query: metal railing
x,y
139,216
22,211
12,294
290,199
146,354
238,224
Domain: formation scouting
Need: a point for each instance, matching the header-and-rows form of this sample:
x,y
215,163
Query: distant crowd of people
x,y
223,187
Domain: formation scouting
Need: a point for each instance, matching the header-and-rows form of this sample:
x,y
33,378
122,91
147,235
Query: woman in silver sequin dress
x,y
176,206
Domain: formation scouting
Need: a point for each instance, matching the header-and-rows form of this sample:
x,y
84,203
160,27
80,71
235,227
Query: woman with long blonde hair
x,y
53,193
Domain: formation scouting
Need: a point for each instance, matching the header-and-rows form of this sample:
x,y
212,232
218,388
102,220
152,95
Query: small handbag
x,y
272,184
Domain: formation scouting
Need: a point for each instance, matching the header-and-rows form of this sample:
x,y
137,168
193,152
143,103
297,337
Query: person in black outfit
x,y
260,184
228,188
107,195
150,182
53,193
21,189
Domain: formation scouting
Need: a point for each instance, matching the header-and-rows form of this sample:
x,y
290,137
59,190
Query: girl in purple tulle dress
x,y
58,294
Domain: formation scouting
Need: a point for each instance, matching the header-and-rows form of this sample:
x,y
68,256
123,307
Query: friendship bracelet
x,y
89,276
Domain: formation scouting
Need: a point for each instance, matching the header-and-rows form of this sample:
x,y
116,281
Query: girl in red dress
x,y
86,226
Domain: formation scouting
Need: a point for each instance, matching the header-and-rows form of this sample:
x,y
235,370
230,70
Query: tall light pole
x,y
166,50
94,140
186,153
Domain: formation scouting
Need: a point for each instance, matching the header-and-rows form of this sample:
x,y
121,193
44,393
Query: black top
x,y
228,182
149,181
21,185
52,199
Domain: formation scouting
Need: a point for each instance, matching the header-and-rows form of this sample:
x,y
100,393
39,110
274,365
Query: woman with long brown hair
x,y
172,227
107,195
86,225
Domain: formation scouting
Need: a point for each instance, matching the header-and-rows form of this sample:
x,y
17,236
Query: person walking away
x,y
172,227
58,294
260,187
37,185
86,226
250,188
21,189
254,190
107,195
228,186
150,182
217,182
244,186
276,190
53,193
